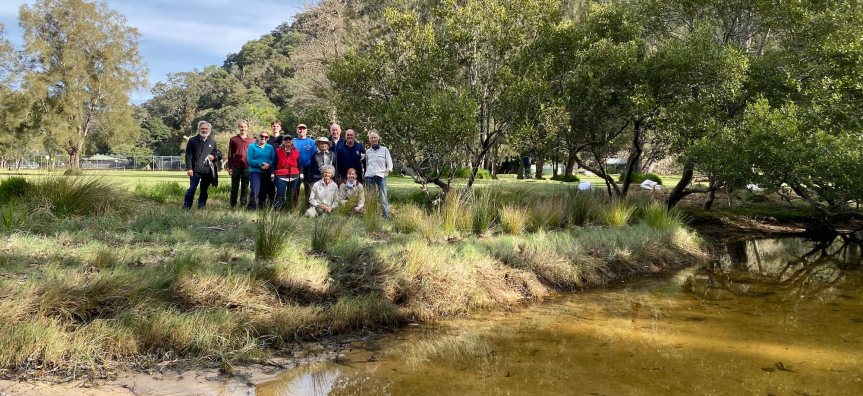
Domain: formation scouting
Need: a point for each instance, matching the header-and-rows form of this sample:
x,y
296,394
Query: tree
x,y
86,62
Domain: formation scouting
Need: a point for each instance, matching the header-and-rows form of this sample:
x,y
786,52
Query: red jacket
x,y
288,164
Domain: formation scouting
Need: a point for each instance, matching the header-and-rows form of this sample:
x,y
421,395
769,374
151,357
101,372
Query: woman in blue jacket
x,y
261,158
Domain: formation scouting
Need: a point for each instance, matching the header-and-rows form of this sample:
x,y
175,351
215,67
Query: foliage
x,y
637,178
77,196
513,219
12,188
86,62
567,178
273,230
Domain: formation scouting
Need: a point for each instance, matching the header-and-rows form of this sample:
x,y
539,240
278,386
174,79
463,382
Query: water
x,y
770,317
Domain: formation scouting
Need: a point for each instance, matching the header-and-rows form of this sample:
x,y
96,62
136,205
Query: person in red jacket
x,y
289,170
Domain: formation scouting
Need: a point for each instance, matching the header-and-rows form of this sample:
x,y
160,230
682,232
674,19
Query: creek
x,y
770,317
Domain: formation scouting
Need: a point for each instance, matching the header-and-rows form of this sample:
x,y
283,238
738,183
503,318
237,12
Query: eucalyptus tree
x,y
85,64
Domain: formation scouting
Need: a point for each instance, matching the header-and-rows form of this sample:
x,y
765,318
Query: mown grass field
x,y
106,269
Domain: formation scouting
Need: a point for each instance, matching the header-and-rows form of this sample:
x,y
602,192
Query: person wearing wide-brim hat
x,y
322,157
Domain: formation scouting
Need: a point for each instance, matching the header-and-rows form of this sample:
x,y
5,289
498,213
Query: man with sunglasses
x,y
261,157
306,146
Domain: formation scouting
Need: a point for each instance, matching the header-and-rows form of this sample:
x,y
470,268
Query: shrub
x,y
12,188
567,178
513,219
273,230
637,178
463,172
329,231
161,192
73,172
408,219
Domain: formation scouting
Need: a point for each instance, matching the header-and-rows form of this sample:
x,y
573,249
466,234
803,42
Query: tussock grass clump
x,y
408,219
617,214
13,188
513,219
273,230
454,213
11,218
162,192
329,231
372,211
360,312
483,209
546,214
78,196
657,215
581,205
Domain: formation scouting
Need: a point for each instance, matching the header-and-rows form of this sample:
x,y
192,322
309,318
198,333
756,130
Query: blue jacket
x,y
256,156
350,157
307,149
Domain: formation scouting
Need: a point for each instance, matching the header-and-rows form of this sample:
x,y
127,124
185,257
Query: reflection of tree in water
x,y
790,267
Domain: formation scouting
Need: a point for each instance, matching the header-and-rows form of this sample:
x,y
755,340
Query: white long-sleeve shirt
x,y
378,161
323,193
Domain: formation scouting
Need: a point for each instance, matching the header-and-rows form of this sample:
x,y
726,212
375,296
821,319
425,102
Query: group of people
x,y
270,168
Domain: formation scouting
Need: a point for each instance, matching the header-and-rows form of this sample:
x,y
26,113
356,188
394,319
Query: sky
x,y
182,35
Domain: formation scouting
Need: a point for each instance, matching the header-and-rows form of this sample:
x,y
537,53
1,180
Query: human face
x,y
262,139
277,128
352,176
327,176
244,129
322,146
373,139
301,132
204,130
335,132
350,137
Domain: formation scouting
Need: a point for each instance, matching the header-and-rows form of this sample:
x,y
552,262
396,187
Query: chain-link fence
x,y
134,162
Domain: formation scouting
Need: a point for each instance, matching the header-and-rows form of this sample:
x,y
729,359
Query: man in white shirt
x,y
379,164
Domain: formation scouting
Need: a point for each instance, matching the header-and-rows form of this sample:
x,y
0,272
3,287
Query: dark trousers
x,y
204,181
286,189
259,183
239,185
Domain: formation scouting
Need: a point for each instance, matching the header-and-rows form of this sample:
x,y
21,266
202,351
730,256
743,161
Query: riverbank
x,y
128,281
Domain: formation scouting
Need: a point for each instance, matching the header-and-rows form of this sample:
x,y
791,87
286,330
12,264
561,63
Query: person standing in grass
x,y
306,147
322,157
352,190
325,194
201,157
275,140
336,138
349,156
261,158
379,164
288,171
238,168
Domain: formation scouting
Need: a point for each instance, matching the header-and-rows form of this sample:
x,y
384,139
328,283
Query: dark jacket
x,y
335,144
350,157
318,161
197,151
214,167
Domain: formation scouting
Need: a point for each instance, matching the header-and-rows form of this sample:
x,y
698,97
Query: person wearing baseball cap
x,y
306,148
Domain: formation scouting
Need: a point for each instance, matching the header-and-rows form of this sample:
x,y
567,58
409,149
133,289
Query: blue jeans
x,y
380,184
193,185
281,187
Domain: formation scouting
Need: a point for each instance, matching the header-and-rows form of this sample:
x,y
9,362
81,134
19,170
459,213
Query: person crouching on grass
x,y
288,171
352,191
325,194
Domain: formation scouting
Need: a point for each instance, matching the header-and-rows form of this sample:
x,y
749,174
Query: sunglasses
x,y
264,136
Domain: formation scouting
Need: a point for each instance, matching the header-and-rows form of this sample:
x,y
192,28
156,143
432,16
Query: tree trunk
x,y
521,170
633,160
554,169
711,195
538,169
570,165
678,192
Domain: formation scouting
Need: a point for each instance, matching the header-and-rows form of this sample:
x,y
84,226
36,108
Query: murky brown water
x,y
772,317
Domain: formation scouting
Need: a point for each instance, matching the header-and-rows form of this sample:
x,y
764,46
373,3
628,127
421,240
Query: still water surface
x,y
771,317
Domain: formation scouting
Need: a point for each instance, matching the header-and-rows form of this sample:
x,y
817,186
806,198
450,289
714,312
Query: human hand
x,y
386,174
230,172
190,173
357,209
211,157
328,209
265,166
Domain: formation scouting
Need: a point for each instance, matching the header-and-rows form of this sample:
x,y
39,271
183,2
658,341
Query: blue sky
x,y
183,35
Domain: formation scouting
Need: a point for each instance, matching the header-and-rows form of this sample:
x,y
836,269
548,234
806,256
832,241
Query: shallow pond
x,y
771,317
